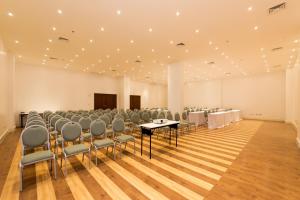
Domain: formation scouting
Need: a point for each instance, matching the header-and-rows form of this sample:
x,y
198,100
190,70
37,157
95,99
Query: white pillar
x,y
175,87
126,92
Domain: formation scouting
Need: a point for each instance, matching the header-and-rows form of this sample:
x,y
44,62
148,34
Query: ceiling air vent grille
x,y
211,63
64,39
53,58
138,61
181,44
277,48
277,8
276,66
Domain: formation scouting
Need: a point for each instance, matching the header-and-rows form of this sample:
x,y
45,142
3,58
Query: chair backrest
x,y
146,117
54,119
50,116
71,131
161,115
75,118
135,118
85,123
109,117
184,115
177,116
36,122
154,114
34,136
119,116
169,116
60,123
93,117
105,119
33,119
98,128
69,115
118,125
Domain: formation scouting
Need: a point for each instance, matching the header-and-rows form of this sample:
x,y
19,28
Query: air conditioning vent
x,y
113,70
53,58
277,48
276,66
64,39
277,8
211,63
180,44
138,61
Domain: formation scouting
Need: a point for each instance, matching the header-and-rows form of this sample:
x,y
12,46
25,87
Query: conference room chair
x,y
183,124
71,136
75,118
135,120
185,119
52,122
93,116
35,122
99,138
154,115
31,138
58,127
146,117
120,138
85,123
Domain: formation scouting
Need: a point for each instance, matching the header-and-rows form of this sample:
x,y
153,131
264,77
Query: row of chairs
x,y
38,133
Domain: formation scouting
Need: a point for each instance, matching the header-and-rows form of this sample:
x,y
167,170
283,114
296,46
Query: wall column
x,y
126,92
175,87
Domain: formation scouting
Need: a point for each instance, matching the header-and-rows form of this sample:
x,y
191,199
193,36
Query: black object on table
x,y
149,128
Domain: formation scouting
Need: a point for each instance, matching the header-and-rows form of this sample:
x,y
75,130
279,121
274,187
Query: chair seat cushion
x,y
103,143
36,156
75,149
124,138
86,135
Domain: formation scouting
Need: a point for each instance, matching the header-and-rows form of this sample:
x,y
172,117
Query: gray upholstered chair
x,y
185,119
34,118
53,120
58,127
85,123
146,117
35,122
118,127
154,115
182,125
31,138
75,118
109,131
135,119
161,115
69,116
99,139
71,133
93,117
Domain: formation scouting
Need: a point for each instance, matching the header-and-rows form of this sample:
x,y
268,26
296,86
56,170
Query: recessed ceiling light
x,y
177,13
126,61
296,41
255,28
49,40
262,49
210,42
227,57
131,41
76,55
216,48
107,56
197,31
82,49
17,41
99,61
118,49
91,41
47,49
59,11
250,8
152,50
293,50
71,60
43,63
186,51
102,29
263,56
53,28
169,57
45,55
222,54
150,30
20,56
10,14
171,42
291,57
119,12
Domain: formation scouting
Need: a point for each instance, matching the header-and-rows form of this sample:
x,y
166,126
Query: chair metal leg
x,y
96,157
120,150
90,158
82,157
134,146
21,178
65,166
106,150
61,156
54,166
125,145
50,165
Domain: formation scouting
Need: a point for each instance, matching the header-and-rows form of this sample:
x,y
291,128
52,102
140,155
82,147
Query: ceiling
x,y
223,38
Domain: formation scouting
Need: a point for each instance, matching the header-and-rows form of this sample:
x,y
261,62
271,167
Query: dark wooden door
x,y
105,101
135,102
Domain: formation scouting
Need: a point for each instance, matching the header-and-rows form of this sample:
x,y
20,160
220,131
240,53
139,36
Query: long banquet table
x,y
223,118
197,117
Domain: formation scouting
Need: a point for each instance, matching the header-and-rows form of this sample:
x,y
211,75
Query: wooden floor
x,y
247,160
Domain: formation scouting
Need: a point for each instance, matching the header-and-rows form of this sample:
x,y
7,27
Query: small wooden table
x,y
148,129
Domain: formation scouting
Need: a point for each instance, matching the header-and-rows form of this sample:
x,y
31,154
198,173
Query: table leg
x,y
141,143
150,146
176,136
170,136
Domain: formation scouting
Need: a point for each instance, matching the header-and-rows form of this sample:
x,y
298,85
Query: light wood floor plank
x,y
44,182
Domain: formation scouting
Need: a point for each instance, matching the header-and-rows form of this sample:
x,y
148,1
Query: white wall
x,y
293,98
42,88
6,91
258,97
152,95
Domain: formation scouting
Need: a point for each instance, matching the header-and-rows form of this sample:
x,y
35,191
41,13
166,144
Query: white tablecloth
x,y
197,117
221,119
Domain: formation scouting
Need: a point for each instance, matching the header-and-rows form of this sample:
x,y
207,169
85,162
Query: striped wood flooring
x,y
189,171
